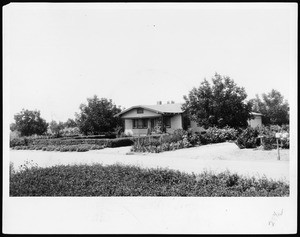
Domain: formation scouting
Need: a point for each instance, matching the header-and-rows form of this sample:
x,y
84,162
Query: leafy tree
x,y
56,128
13,127
97,116
70,123
274,108
30,122
218,104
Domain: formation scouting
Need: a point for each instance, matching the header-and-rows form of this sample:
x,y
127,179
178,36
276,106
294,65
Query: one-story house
x,y
145,119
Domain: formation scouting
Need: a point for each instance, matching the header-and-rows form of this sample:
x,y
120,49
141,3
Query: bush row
x,y
183,139
117,142
264,137
62,148
117,180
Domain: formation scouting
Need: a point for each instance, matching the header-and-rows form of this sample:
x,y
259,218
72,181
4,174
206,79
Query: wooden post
x,y
278,155
278,135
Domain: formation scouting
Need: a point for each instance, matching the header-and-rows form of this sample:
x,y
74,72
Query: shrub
x,y
178,135
118,180
18,141
269,138
82,149
248,138
119,142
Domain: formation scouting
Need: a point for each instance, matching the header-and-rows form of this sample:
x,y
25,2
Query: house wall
x,y
133,114
129,130
176,123
128,127
256,122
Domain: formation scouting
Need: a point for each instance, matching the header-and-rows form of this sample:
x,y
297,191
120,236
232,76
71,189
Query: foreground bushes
x,y
117,180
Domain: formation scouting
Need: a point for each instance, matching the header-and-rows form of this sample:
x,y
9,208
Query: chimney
x,y
159,102
172,102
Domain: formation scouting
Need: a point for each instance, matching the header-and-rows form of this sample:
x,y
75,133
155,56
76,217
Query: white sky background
x,y
58,55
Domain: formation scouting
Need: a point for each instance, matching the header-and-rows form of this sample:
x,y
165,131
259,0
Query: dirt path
x,y
215,157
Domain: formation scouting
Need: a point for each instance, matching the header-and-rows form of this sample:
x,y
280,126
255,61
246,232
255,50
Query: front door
x,y
152,124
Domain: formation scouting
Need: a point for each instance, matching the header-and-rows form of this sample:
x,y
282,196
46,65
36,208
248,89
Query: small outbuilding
x,y
256,121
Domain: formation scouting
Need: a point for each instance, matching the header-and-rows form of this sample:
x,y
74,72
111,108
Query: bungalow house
x,y
144,119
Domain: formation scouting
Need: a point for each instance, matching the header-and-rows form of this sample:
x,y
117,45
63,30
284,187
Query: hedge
x,y
118,180
48,144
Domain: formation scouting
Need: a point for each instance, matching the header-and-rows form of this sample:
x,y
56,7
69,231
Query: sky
x,y
58,55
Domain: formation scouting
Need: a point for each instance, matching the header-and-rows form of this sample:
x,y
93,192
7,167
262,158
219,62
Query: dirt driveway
x,y
214,157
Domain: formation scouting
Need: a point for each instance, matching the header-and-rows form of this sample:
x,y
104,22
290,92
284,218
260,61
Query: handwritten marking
x,y
275,217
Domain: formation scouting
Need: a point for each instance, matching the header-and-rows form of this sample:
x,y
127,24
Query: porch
x,y
148,125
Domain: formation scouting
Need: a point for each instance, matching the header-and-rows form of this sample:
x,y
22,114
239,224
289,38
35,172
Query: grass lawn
x,y
119,180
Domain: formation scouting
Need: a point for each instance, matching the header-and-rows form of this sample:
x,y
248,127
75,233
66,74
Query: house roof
x,y
164,109
161,109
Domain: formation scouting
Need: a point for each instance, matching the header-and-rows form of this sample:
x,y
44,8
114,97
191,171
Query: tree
x,y
30,122
97,116
274,108
70,123
13,127
56,128
218,104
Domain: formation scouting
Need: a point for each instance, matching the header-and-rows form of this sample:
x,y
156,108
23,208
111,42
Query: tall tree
x,y
97,116
273,106
56,128
218,104
30,122
70,123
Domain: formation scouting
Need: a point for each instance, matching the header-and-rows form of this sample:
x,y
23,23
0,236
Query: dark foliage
x,y
97,116
119,142
117,180
220,104
274,108
183,139
30,122
248,138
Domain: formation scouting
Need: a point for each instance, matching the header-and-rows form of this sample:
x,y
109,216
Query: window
x,y
167,122
140,111
145,123
140,123
134,123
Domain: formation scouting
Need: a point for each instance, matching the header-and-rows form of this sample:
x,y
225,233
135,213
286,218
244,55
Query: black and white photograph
x,y
150,118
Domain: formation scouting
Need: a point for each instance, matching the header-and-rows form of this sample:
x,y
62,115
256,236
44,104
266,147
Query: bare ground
x,y
213,157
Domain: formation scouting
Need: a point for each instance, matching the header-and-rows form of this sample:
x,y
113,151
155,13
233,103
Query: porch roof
x,y
160,109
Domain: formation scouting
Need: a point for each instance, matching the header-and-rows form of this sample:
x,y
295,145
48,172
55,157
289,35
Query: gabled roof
x,y
164,109
160,109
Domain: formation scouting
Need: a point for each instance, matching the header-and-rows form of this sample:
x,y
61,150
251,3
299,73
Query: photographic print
x,y
150,118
